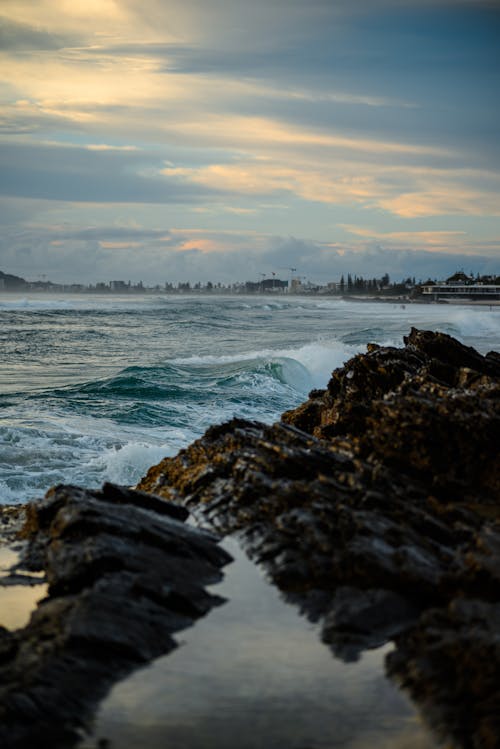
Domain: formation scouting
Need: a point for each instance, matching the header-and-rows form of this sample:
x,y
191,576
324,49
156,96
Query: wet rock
x,y
375,506
315,518
435,361
12,518
450,664
124,574
357,619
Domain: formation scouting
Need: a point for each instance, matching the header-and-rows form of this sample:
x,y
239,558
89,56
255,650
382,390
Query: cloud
x,y
78,19
61,173
404,190
247,122
444,241
263,178
443,200
256,131
156,256
22,37
106,147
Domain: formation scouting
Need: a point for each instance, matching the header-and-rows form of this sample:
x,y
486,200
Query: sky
x,y
196,140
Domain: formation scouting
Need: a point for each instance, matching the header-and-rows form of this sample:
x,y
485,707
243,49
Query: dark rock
x,y
124,574
450,663
12,518
357,619
433,361
376,506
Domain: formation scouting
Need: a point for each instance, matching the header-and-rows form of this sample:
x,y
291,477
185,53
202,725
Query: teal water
x,y
100,388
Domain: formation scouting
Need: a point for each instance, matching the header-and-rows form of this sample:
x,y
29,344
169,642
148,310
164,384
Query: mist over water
x,y
100,388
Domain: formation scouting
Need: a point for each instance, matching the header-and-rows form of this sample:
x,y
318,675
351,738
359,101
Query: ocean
x,y
99,388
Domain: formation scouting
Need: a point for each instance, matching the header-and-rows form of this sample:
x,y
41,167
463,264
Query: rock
x,y
376,507
357,619
450,663
124,573
316,518
432,362
12,518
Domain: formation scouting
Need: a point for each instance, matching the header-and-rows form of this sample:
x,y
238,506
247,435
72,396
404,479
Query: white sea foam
x,y
472,322
320,359
8,495
72,302
26,303
328,303
34,460
128,463
317,361
87,435
33,304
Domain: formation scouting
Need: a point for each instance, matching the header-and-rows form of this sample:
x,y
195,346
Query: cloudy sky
x,y
170,140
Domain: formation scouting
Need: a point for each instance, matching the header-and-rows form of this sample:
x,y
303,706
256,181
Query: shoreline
x,y
236,295
407,300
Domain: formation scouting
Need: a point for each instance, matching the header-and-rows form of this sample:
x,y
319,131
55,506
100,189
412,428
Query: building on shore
x,y
266,285
461,290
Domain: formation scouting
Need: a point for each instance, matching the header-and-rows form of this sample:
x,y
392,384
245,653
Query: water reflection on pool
x,y
253,674
17,602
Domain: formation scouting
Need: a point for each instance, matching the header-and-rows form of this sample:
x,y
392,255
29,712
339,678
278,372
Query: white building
x,y
461,290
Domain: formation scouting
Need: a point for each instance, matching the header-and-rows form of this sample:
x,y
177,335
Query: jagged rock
x,y
372,505
124,573
317,519
433,361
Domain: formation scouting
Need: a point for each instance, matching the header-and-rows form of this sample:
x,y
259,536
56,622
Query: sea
x,y
99,388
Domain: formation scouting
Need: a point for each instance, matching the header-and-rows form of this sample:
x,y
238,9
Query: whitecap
x,y
127,463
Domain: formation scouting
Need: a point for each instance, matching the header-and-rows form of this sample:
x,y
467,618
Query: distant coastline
x,y
458,289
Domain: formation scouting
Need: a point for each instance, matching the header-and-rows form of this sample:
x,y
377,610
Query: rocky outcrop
x,y
450,663
375,506
124,573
